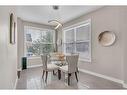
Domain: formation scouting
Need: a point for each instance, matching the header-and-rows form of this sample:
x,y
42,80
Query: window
x,y
37,41
69,41
77,39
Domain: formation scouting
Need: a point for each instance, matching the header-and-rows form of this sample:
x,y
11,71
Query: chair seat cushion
x,y
64,69
51,67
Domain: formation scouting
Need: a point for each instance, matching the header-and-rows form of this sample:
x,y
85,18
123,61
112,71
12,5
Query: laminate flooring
x,y
31,78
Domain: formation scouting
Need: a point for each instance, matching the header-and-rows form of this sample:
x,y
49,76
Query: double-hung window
x,y
37,41
77,39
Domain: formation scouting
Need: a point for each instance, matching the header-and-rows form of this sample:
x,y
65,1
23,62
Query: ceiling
x,y
42,14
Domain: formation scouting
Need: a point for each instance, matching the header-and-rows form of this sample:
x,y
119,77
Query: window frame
x,y
41,29
75,26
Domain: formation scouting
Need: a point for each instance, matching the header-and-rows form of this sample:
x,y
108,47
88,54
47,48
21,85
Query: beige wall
x,y
37,25
8,52
105,60
124,35
34,61
20,44
59,31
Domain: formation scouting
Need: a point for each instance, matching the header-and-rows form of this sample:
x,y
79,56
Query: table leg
x,y
59,74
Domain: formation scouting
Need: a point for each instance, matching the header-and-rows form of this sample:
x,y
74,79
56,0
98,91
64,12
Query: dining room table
x,y
58,59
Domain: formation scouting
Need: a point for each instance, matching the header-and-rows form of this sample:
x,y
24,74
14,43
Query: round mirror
x,y
106,38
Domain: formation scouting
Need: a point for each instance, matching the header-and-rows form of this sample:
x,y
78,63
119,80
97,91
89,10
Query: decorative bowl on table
x,y
61,57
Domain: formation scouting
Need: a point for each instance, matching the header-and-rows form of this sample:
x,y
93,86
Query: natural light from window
x,y
77,39
37,41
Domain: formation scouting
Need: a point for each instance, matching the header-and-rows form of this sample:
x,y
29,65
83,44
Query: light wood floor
x,y
31,79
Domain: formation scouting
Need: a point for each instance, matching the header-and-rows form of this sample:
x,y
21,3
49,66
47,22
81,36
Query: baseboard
x,y
124,85
34,66
16,81
102,76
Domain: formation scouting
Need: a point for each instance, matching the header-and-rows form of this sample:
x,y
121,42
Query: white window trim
x,y
74,26
42,29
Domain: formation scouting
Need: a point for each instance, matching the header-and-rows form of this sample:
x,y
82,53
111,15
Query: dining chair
x,y
72,61
47,67
53,56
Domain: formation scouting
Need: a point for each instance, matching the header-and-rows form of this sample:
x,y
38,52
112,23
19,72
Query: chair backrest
x,y
72,61
53,56
44,61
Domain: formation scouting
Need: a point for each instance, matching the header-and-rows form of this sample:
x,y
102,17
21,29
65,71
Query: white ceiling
x,y
42,14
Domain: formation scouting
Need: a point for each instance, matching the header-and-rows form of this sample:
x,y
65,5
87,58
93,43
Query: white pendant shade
x,y
56,23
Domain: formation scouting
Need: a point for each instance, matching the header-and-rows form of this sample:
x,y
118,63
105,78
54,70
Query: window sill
x,y
33,57
85,60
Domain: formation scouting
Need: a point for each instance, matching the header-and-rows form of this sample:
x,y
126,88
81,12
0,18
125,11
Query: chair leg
x,y
53,72
69,75
59,74
46,76
76,76
77,70
43,74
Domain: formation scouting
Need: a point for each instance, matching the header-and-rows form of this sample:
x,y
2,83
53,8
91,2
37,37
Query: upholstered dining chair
x,y
72,61
47,67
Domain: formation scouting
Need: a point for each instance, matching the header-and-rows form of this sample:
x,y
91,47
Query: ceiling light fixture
x,y
57,22
55,7
58,26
